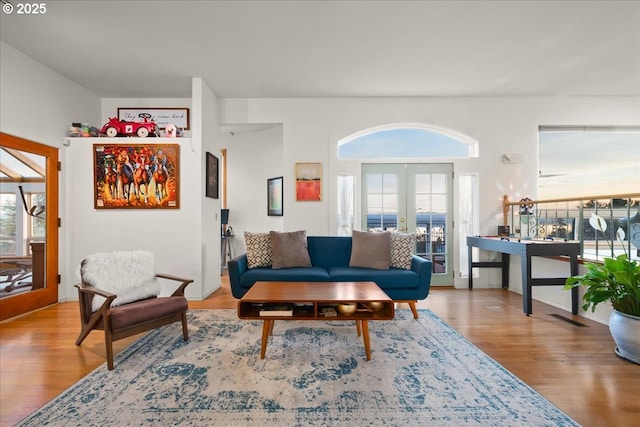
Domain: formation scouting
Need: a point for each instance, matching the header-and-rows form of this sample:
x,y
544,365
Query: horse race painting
x,y
143,176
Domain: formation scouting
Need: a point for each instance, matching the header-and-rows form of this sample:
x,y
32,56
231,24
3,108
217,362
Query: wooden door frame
x,y
19,304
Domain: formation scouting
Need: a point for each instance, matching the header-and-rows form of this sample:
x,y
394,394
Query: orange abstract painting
x,y
308,182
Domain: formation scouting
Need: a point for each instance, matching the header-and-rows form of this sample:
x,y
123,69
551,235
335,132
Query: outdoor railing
x,y
568,219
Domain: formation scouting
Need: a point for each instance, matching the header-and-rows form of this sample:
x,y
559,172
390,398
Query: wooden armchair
x,y
132,317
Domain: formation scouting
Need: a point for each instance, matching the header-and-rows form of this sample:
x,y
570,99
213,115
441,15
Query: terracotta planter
x,y
625,330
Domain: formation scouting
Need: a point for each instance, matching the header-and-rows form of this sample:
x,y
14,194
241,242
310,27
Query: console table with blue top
x,y
526,249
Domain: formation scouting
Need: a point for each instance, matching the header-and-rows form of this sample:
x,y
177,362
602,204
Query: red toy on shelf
x,y
115,127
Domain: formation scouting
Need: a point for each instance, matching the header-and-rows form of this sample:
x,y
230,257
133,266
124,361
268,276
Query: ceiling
x,y
276,49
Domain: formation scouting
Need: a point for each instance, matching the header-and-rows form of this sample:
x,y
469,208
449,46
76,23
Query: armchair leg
x,y
185,331
83,334
109,348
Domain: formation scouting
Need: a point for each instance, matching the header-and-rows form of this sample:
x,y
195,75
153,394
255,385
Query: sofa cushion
x,y
296,274
289,249
394,278
329,251
402,248
259,252
370,250
128,274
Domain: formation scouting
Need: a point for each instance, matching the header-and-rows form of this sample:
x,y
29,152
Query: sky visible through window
x,y
403,143
588,163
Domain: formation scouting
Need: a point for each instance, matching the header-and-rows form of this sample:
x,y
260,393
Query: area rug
x,y
421,372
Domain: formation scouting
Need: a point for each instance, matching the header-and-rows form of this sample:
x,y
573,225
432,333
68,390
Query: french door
x,y
29,244
413,198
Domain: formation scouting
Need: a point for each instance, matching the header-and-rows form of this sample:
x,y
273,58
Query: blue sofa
x,y
330,257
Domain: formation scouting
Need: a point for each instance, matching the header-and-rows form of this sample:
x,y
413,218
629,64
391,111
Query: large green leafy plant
x,y
617,279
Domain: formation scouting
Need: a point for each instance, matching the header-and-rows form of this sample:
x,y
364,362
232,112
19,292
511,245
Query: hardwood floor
x,y
574,367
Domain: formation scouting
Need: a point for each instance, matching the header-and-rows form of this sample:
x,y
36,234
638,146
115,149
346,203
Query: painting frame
x,y
212,177
275,196
119,180
308,182
162,116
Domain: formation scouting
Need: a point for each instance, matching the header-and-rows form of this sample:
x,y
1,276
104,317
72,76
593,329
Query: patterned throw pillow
x,y
259,253
402,247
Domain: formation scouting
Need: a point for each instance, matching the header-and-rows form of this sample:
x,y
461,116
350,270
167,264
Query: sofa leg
x,y
412,304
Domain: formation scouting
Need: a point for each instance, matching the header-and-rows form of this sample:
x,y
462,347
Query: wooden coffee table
x,y
316,296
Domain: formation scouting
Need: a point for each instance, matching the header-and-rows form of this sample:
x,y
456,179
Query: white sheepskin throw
x,y
130,275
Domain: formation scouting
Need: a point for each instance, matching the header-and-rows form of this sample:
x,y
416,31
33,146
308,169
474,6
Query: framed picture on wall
x,y
274,196
142,176
308,182
211,184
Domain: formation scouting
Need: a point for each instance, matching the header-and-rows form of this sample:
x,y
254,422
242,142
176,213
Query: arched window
x,y
407,141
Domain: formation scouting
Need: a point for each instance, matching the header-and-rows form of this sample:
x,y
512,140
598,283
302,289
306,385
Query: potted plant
x,y
617,280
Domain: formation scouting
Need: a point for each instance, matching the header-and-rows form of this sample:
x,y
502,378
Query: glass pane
x,y
403,142
8,224
439,183
374,183
390,181
439,203
423,183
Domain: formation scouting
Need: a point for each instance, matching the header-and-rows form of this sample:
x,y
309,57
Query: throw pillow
x,y
130,275
259,252
290,249
402,248
370,250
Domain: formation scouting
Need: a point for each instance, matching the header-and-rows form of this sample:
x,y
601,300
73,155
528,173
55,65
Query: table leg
x,y
365,336
358,327
266,330
526,284
470,259
505,270
574,291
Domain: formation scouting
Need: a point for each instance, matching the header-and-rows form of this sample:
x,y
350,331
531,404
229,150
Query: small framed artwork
x,y
274,196
142,176
308,182
211,184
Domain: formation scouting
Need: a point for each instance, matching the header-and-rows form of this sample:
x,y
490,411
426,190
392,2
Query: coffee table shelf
x,y
316,295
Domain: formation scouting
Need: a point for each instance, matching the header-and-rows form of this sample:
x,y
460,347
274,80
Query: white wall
x,y
253,156
38,104
312,128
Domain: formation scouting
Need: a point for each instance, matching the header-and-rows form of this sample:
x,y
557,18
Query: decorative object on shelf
x,y
504,231
274,196
526,206
136,176
347,308
179,117
376,305
115,127
616,280
308,182
171,131
211,184
83,130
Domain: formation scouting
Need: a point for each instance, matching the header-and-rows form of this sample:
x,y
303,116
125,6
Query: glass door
x,y
413,198
28,229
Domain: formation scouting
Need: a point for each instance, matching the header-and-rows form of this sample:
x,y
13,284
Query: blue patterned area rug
x,y
421,372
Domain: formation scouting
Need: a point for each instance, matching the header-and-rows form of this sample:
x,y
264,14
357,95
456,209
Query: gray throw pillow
x,y
290,249
370,250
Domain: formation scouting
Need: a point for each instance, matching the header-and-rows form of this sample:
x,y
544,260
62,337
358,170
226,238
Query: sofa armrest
x,y
237,266
423,267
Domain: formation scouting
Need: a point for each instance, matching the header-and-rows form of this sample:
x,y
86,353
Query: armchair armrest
x,y
86,289
180,291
